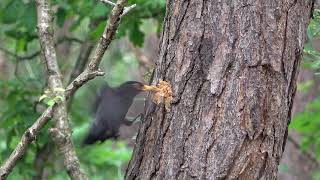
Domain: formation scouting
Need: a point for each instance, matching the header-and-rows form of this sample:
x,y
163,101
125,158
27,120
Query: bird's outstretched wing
x,y
105,90
108,115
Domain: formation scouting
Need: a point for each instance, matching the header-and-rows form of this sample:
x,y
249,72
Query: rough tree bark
x,y
233,67
61,133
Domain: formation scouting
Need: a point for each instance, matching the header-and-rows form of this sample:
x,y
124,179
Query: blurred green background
x,y
78,25
23,79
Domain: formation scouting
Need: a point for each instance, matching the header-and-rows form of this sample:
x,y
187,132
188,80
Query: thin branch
x,y
126,9
85,51
309,155
26,139
89,73
109,2
61,133
142,59
92,70
82,60
20,57
68,39
43,154
37,53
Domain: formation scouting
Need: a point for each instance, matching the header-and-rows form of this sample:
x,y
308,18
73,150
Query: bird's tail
x,y
89,140
95,136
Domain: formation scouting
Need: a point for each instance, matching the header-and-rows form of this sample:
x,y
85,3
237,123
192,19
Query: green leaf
x,y
305,143
22,45
136,36
13,11
98,31
42,97
9,120
76,24
13,143
29,20
51,102
58,99
305,86
99,10
61,16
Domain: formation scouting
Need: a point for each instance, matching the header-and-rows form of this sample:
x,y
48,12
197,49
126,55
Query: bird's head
x,y
133,88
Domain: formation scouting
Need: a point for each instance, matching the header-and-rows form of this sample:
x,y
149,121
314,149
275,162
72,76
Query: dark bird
x,y
111,107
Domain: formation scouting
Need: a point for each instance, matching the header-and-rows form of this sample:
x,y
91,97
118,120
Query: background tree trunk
x,y
233,67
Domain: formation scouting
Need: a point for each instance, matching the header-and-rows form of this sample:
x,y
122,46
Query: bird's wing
x,y
111,110
106,89
108,118
95,133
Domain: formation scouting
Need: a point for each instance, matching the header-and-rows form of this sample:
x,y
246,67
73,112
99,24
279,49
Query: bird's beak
x,y
148,88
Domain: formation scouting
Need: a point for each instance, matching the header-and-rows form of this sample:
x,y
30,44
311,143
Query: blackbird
x,y
111,107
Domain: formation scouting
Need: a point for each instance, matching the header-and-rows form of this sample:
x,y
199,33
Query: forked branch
x,y
61,132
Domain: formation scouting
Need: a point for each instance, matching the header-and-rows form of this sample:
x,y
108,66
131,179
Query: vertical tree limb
x,y
61,133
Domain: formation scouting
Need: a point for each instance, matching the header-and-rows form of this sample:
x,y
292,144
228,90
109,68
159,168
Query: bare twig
x,y
145,65
27,57
109,2
54,81
82,60
68,39
26,139
37,53
142,59
41,158
85,51
126,9
307,154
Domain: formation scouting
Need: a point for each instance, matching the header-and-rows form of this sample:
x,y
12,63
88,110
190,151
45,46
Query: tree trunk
x,y
233,67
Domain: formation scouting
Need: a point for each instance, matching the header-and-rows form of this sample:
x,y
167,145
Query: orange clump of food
x,y
162,91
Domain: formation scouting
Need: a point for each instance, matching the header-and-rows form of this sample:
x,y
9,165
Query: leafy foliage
x,y
308,123
311,55
25,83
16,116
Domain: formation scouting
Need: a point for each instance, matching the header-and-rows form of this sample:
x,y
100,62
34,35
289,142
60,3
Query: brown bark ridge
x,y
233,67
